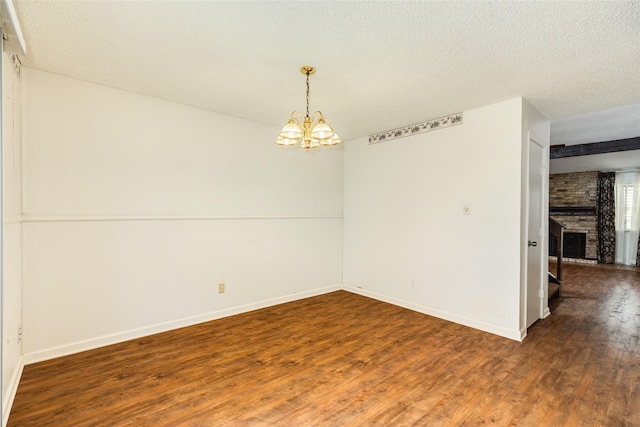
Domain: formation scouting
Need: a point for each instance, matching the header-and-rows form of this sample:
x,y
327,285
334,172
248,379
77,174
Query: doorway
x,y
536,233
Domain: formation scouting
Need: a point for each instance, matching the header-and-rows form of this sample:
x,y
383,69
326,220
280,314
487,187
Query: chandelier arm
x,y
295,115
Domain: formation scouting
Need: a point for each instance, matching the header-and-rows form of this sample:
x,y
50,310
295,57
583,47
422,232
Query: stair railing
x,y
557,229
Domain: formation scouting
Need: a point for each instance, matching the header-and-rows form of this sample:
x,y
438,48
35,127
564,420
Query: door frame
x,y
542,239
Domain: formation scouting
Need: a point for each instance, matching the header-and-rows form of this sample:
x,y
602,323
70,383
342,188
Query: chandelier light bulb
x,y
308,145
286,142
334,140
322,130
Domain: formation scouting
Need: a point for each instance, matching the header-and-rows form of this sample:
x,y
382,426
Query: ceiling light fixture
x,y
313,130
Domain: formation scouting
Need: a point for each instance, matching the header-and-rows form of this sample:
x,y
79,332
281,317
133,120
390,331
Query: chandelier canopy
x,y
311,131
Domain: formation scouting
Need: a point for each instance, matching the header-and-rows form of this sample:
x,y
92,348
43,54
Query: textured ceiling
x,y
599,126
381,65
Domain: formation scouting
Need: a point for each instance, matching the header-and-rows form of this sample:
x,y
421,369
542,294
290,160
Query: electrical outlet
x,y
19,334
221,288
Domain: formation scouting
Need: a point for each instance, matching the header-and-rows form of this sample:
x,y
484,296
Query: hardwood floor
x,y
341,359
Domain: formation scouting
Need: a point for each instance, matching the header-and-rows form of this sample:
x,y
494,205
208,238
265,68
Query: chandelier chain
x,y
307,93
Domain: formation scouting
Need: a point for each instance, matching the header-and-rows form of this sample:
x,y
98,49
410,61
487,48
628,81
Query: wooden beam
x,y
596,148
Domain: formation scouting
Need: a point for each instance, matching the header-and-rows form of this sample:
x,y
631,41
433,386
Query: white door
x,y
535,234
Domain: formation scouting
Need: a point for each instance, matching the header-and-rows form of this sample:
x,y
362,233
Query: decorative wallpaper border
x,y
443,122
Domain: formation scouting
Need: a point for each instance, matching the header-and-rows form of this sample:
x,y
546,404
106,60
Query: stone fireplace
x,y
573,203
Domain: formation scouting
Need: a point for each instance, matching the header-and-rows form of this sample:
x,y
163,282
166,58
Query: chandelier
x,y
312,131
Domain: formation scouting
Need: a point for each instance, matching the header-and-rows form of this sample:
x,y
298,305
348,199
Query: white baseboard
x,y
105,340
486,327
79,346
10,395
523,334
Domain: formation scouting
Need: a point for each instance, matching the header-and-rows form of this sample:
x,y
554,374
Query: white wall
x,y
136,208
12,234
406,239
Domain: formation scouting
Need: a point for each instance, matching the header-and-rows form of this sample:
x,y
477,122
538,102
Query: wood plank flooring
x,y
345,360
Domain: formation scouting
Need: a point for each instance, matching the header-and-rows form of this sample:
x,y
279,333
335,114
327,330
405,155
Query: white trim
x,y
90,344
17,64
12,218
523,334
168,217
464,321
12,389
110,339
15,42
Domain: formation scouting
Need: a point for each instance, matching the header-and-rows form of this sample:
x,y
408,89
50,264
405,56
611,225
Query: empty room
x,y
320,213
